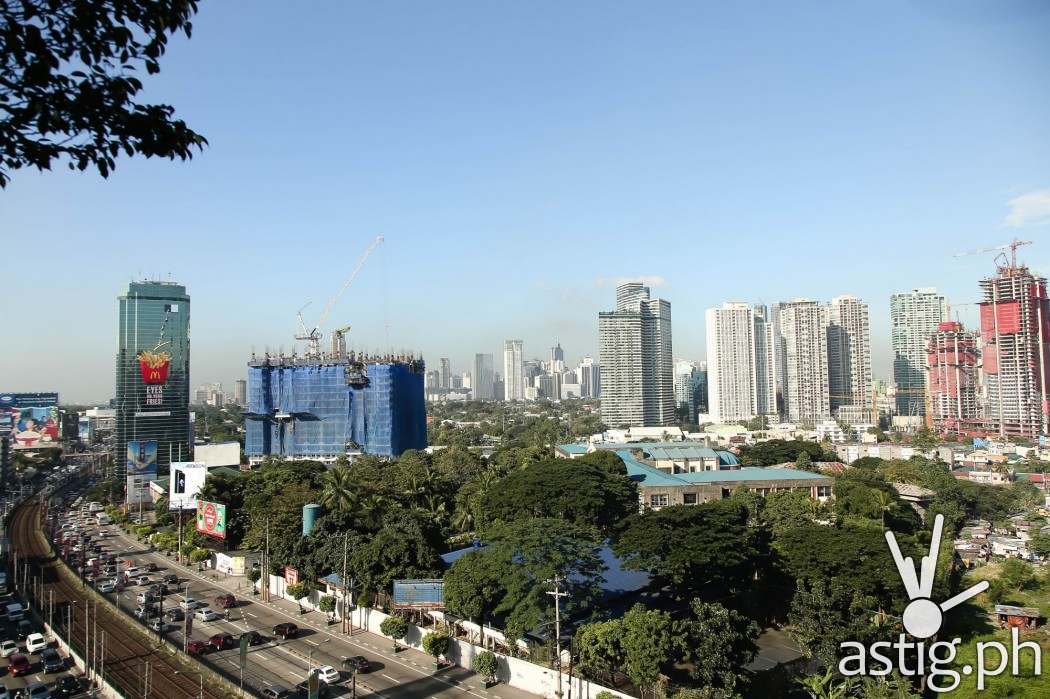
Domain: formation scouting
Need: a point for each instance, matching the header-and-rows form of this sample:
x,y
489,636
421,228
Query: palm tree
x,y
338,492
883,501
463,515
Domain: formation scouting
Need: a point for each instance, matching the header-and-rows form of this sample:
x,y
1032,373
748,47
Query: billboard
x,y
218,454
186,480
30,418
141,469
421,594
211,519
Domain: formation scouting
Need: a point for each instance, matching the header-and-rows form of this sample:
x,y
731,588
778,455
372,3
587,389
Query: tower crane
x,y
313,337
1007,264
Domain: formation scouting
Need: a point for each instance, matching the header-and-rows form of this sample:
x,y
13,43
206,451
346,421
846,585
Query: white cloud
x,y
648,280
1032,209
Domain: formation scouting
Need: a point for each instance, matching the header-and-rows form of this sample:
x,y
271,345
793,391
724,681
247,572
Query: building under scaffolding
x,y
325,407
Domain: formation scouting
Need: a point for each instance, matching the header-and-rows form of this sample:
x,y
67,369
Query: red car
x,y
19,665
222,641
226,601
197,647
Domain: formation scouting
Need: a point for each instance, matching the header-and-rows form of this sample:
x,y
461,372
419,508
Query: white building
x,y
731,371
589,374
849,353
914,317
635,355
483,379
802,342
513,373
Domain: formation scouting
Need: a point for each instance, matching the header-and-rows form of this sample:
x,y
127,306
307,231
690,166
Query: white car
x,y
328,674
8,648
207,615
190,603
107,586
35,642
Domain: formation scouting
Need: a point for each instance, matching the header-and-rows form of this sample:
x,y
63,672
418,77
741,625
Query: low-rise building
x,y
671,457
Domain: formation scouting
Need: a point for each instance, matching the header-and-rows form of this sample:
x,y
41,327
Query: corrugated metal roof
x,y
649,476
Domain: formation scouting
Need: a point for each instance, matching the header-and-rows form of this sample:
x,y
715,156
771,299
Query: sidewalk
x,y
454,677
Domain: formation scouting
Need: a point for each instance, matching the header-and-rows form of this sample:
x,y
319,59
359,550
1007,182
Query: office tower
x,y
700,388
635,355
557,354
766,362
456,381
498,390
849,353
432,380
802,345
483,379
914,317
153,374
335,405
731,370
513,371
589,374
445,367
1015,329
951,378
684,390
546,386
466,381
241,392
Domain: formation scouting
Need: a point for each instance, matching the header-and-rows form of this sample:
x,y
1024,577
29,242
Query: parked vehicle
x,y
285,630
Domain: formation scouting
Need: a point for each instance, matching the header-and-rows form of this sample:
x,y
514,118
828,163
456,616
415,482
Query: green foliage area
x,y
395,627
864,494
779,451
485,664
437,644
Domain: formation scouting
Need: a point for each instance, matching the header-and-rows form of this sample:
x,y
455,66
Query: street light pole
x,y
557,594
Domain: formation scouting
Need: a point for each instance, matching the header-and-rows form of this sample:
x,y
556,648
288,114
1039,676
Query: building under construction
x,y
329,405
952,365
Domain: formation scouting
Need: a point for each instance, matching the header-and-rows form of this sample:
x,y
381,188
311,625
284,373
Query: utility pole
x,y
266,563
557,594
346,587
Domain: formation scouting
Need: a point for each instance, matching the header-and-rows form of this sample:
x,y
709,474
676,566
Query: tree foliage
x,y
68,85
718,642
780,451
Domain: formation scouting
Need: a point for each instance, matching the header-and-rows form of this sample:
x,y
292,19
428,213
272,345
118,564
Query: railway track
x,y
130,662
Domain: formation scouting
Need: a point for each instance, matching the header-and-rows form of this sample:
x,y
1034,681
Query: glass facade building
x,y
153,372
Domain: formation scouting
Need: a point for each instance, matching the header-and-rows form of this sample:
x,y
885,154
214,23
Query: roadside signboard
x,y
419,594
244,650
211,519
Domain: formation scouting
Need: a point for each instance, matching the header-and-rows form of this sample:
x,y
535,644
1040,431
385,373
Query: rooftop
x,y
645,474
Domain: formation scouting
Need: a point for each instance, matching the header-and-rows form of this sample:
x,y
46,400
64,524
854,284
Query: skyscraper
x,y
446,372
483,380
767,363
513,371
849,353
1015,328
635,355
589,374
952,366
731,371
557,353
241,392
153,374
684,389
914,317
801,329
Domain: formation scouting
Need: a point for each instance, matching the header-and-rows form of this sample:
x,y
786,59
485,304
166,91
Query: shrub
x,y
395,627
437,644
486,664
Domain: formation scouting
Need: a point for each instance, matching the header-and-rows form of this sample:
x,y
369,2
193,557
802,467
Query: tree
x,y
327,605
199,555
337,489
600,649
719,642
1040,545
437,644
924,439
804,462
254,575
823,614
1016,574
787,509
395,627
648,644
68,87
299,591
476,585
486,664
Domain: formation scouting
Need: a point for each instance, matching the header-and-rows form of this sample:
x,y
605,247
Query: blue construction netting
x,y
312,411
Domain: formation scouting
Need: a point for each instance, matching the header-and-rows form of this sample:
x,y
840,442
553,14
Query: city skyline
x,y
706,149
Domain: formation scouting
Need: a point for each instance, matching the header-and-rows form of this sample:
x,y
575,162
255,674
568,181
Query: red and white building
x,y
952,366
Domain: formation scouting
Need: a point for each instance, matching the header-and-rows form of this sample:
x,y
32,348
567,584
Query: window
x,y
823,491
689,498
658,500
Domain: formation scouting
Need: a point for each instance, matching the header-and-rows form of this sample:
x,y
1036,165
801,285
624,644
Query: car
x,y
189,603
156,624
107,585
37,690
132,572
8,648
19,664
143,580
254,638
151,567
144,598
53,662
158,589
286,630
357,664
23,629
328,674
222,641
175,614
67,686
303,689
276,691
144,613
35,642
197,647
171,579
205,614
226,601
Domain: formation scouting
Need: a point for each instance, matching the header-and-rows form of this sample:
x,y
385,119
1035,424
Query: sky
x,y
520,158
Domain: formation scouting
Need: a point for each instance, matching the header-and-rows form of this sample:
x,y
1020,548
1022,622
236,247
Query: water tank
x,y
310,514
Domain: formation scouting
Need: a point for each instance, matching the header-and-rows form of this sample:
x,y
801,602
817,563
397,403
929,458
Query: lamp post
x,y
557,594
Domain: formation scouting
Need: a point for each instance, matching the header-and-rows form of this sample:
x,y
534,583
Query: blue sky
x,y
519,157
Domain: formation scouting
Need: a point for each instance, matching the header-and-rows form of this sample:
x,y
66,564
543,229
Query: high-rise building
x,y
802,346
766,363
952,380
513,371
731,370
153,374
914,317
635,355
557,353
432,380
483,379
589,375
849,353
700,388
446,372
1015,329
327,407
685,389
240,392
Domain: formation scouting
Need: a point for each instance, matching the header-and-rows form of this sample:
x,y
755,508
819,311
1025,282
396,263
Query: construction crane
x,y
339,340
313,337
1007,265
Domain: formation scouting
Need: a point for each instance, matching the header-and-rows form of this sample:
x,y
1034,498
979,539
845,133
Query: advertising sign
x,y
142,468
186,481
211,519
154,366
31,418
419,594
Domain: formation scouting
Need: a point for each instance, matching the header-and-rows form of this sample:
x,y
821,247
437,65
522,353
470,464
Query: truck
x,y
103,518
